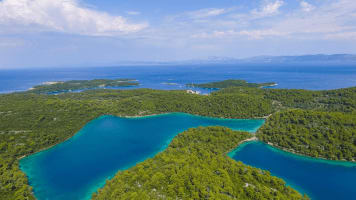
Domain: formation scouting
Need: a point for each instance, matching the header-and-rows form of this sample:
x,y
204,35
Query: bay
x,y
319,179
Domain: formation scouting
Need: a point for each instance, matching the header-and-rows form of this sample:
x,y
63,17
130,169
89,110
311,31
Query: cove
x,y
319,179
79,166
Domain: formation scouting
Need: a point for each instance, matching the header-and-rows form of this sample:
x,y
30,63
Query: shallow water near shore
x,y
79,166
319,179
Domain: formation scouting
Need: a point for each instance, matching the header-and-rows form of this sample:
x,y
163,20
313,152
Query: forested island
x,y
314,123
67,86
230,83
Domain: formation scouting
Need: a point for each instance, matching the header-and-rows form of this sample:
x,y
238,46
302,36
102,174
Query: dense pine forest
x,y
31,122
195,166
330,135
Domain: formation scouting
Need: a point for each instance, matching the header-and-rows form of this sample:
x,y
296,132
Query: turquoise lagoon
x,y
319,179
79,166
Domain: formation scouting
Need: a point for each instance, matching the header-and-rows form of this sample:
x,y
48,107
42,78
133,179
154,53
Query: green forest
x,y
330,135
31,122
195,166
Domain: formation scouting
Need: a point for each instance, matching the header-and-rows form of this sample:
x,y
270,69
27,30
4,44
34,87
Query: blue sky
x,y
54,33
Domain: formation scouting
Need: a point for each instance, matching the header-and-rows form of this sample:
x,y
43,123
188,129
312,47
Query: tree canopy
x,y
195,166
330,135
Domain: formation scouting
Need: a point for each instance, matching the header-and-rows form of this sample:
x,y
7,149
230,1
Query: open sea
x,y
311,77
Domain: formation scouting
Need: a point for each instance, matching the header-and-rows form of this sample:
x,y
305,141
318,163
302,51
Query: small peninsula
x,y
195,166
231,83
66,86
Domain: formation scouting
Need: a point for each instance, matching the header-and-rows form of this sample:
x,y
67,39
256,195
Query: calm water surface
x,y
319,179
78,167
175,77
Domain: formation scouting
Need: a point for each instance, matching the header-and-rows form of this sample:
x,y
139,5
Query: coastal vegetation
x,y
148,102
58,87
330,135
339,100
195,166
32,121
230,83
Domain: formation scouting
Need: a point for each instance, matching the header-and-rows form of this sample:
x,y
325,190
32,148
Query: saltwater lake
x,y
78,167
319,179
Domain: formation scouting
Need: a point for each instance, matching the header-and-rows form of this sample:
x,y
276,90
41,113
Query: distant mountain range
x,y
319,58
303,59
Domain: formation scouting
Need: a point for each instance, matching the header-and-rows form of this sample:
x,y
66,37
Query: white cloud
x,y
306,7
261,34
329,18
66,16
9,43
269,8
343,36
133,13
251,34
209,12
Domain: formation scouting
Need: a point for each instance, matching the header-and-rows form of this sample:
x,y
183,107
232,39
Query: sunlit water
x,y
319,179
314,77
78,167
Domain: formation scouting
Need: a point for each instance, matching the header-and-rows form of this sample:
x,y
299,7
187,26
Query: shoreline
x,y
265,117
255,138
46,148
57,143
268,86
129,117
153,115
304,155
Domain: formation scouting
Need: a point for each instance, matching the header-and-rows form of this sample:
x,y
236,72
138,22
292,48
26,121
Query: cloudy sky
x,y
40,33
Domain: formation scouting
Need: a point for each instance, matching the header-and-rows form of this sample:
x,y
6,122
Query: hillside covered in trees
x,y
328,135
195,166
31,122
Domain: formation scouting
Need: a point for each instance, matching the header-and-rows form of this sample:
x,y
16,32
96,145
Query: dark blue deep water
x,y
319,179
78,167
156,77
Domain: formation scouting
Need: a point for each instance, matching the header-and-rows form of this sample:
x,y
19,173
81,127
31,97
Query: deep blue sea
x,y
319,179
287,76
78,167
